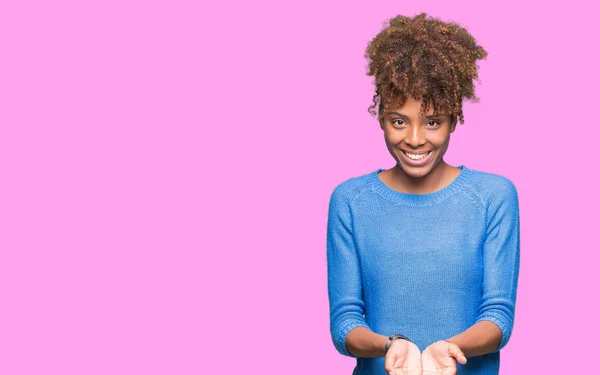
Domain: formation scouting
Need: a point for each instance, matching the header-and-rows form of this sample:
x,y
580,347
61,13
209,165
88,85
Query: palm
x,y
436,359
406,359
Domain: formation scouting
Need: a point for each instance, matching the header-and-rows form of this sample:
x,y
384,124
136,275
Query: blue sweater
x,y
428,266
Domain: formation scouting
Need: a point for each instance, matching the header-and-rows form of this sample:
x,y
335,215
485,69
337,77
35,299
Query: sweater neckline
x,y
419,199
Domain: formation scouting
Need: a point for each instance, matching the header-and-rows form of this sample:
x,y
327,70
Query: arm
x,y
501,256
481,338
362,342
346,307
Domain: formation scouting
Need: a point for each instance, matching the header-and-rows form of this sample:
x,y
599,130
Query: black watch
x,y
396,336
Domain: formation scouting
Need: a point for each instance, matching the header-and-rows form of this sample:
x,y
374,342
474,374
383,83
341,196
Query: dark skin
x,y
406,129
427,61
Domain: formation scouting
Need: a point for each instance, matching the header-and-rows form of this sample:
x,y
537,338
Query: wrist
x,y
435,343
392,338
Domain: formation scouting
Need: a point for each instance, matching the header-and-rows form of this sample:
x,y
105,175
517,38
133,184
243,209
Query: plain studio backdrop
x,y
167,165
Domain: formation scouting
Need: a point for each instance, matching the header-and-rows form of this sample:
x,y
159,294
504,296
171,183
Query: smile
x,y
416,159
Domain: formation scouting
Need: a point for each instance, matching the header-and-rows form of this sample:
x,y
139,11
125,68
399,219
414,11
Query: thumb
x,y
389,364
457,353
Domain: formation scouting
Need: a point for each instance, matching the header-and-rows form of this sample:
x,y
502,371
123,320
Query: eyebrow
x,y
405,116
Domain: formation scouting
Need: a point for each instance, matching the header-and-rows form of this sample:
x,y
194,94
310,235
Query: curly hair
x,y
426,59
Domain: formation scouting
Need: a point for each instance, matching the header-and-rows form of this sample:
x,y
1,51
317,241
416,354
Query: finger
x,y
457,353
404,366
415,370
414,364
389,364
402,362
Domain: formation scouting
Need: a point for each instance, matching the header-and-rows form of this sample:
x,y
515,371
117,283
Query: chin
x,y
415,171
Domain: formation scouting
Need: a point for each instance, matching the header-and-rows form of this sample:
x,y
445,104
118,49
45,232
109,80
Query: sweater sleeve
x,y
346,307
501,254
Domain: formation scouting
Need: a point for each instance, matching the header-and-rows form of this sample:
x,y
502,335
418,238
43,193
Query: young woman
x,y
423,258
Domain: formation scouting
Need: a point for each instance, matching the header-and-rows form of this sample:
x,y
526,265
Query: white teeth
x,y
417,157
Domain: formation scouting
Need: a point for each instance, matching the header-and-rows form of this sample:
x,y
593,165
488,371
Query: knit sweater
x,y
427,266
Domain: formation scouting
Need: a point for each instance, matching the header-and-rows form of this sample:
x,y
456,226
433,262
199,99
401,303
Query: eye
x,y
398,122
433,123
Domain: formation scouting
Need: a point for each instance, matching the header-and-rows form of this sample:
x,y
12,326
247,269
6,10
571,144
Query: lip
x,y
417,163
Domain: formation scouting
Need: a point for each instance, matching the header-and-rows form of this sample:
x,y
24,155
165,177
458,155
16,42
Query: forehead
x,y
411,107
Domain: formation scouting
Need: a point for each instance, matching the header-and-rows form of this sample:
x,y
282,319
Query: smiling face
x,y
417,142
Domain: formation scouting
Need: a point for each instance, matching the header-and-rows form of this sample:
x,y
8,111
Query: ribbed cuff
x,y
503,328
339,334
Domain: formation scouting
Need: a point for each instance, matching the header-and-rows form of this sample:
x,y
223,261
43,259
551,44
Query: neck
x,y
433,181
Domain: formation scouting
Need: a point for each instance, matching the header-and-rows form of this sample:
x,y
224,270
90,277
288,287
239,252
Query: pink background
x,y
166,169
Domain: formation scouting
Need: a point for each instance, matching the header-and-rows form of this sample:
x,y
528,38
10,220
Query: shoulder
x,y
490,185
351,188
495,193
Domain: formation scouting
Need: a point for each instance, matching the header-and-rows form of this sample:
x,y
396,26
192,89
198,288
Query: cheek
x,y
440,140
393,135
391,138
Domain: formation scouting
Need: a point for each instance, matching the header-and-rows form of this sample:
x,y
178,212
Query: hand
x,y
403,358
440,358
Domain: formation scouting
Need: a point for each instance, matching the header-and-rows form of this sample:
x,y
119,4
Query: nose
x,y
415,136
